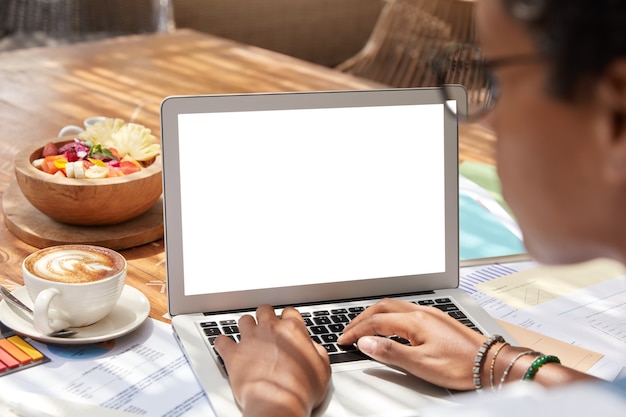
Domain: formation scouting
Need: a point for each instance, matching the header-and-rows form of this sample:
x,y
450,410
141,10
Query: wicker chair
x,y
26,23
408,34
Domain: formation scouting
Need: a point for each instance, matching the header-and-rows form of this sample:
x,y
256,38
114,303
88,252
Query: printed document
x,y
144,373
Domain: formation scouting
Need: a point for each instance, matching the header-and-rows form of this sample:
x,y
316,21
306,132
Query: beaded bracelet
x,y
538,363
480,358
493,364
510,366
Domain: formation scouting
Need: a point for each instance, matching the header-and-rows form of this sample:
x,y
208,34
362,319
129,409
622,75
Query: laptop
x,y
326,201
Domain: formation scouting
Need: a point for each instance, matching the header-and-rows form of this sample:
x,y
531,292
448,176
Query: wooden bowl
x,y
87,202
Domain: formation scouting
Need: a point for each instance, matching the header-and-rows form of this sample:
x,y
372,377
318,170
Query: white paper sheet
x,y
14,403
144,373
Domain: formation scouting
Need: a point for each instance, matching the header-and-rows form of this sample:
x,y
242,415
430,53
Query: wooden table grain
x,y
43,89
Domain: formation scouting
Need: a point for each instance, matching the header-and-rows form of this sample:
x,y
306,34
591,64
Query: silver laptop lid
x,y
291,198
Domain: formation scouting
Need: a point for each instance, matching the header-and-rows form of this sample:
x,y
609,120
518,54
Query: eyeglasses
x,y
465,64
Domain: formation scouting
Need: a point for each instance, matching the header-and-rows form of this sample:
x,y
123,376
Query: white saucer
x,y
131,310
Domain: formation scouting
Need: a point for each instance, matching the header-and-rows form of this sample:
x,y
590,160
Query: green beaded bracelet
x,y
538,363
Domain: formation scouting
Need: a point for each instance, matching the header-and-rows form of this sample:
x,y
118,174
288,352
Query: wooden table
x,y
42,90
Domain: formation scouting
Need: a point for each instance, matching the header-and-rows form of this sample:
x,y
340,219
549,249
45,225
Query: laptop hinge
x,y
335,301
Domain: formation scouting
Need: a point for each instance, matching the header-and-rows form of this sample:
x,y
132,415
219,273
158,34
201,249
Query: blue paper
x,y
483,235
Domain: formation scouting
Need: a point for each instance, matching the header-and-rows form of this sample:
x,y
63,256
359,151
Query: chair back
x,y
407,36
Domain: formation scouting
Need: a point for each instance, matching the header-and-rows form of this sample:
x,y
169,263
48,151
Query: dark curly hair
x,y
577,38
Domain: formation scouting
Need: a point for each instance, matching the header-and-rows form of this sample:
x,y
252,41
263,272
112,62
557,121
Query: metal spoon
x,y
11,299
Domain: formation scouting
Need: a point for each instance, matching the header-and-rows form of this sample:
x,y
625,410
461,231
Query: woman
x,y
560,120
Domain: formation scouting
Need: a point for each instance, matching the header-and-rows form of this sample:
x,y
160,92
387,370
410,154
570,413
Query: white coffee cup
x,y
73,285
75,130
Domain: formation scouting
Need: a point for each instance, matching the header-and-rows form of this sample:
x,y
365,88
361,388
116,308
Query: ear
x,y
612,94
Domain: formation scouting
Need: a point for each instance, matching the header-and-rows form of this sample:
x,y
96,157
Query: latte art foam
x,y
75,265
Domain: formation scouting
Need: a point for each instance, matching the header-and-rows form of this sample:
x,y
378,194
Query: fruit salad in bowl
x,y
108,174
110,148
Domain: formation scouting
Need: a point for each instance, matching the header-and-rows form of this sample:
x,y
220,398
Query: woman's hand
x,y
276,369
442,350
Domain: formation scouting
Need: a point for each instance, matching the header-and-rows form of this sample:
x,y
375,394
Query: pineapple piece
x,y
134,140
101,132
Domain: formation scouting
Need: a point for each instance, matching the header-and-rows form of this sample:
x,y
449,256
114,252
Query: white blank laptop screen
x,y
296,197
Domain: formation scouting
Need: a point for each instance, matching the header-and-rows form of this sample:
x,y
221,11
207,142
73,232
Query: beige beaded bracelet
x,y
480,359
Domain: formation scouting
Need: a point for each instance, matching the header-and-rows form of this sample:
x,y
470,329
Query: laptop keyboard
x,y
325,326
